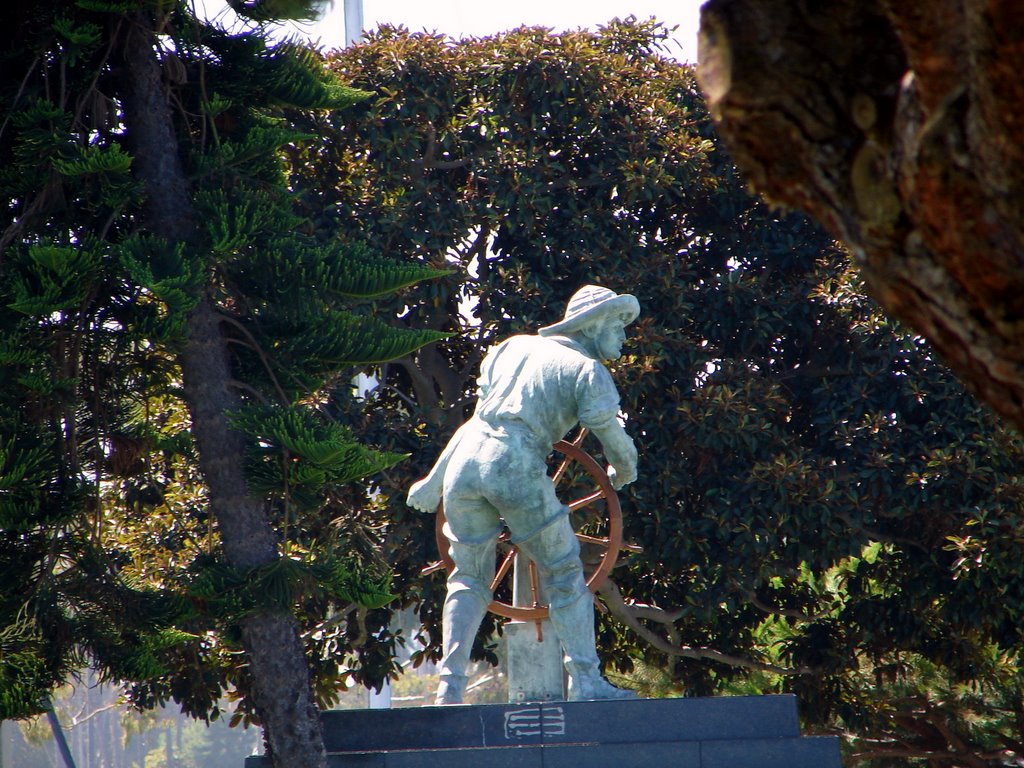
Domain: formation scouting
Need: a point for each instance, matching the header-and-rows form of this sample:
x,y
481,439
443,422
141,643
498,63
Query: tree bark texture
x,y
280,675
898,125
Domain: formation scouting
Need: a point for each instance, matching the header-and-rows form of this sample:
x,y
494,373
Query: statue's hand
x,y
425,495
623,477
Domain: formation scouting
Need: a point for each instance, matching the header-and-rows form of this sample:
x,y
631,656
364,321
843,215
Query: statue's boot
x,y
574,625
464,609
451,689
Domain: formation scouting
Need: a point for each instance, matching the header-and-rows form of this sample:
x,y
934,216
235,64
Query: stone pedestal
x,y
535,669
720,732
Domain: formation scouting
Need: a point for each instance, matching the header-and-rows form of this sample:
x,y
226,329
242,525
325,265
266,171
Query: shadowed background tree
x,y
171,483
821,507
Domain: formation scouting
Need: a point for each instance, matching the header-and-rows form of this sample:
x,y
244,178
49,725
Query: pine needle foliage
x,y
299,455
23,673
280,585
105,518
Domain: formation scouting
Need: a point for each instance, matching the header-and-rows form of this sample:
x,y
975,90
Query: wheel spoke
x,y
568,459
582,502
535,596
534,584
503,570
592,539
555,478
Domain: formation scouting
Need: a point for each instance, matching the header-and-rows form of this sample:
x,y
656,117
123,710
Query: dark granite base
x,y
719,732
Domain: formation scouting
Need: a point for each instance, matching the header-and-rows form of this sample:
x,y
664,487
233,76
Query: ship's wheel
x,y
597,519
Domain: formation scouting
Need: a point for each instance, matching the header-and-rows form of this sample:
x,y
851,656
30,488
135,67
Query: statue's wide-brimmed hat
x,y
592,303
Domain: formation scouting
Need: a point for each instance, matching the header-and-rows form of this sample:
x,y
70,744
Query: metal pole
x,y
58,736
353,22
381,699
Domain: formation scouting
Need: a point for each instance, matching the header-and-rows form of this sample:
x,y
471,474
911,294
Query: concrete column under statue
x,y
535,668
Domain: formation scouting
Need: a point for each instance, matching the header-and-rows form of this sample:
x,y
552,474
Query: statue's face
x,y
609,338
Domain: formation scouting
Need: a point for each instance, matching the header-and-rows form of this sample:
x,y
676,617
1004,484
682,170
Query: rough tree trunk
x,y
898,125
280,675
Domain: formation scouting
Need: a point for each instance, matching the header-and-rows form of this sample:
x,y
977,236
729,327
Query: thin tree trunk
x,y
280,674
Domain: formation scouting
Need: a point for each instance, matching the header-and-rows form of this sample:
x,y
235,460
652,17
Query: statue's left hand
x,y
425,495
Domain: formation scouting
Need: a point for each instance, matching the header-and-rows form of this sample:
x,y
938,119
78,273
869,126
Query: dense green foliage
x,y
108,545
821,506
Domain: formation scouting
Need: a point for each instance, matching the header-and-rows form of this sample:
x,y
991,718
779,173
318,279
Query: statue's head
x,y
599,316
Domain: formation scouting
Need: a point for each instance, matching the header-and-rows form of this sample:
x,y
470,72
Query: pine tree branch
x,y
17,96
255,347
251,390
87,92
39,205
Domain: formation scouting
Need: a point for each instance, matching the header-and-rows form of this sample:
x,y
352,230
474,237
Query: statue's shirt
x,y
546,384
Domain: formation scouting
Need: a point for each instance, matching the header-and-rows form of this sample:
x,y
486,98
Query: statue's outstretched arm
x,y
619,450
